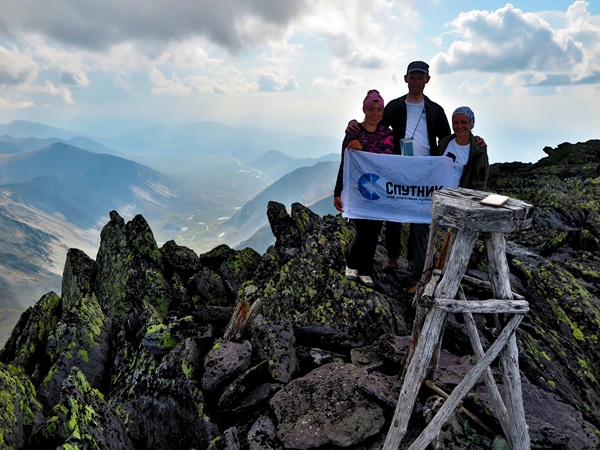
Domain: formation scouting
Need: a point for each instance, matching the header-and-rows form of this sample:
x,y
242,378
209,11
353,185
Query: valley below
x,y
57,189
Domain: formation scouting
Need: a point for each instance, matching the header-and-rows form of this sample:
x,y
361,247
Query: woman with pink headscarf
x,y
374,138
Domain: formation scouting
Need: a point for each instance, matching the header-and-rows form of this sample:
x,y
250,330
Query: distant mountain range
x,y
181,148
58,186
58,197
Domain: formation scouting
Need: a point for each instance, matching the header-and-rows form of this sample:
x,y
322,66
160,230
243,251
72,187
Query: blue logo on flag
x,y
365,185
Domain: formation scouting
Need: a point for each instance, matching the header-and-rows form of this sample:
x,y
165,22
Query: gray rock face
x,y
132,353
224,362
326,408
276,343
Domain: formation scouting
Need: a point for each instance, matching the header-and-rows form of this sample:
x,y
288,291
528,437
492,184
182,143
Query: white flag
x,y
392,187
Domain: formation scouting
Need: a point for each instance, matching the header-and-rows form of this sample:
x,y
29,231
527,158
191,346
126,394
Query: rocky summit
x,y
161,348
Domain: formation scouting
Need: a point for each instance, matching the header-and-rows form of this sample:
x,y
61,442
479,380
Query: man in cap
x,y
413,116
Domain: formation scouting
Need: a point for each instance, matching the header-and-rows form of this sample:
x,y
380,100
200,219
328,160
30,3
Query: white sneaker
x,y
366,280
351,274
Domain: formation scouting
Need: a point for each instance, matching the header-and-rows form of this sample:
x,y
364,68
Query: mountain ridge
x,y
159,347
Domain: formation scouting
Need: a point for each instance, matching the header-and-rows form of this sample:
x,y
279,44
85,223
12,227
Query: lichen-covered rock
x,y
263,435
552,423
326,408
26,346
287,235
130,269
225,361
306,293
561,339
154,384
81,419
217,256
20,412
275,342
227,441
246,393
179,259
210,288
238,268
81,337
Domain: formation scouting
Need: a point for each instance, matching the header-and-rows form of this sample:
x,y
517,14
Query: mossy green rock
x,y
20,412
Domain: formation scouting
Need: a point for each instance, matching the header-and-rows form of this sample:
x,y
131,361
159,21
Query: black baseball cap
x,y
418,66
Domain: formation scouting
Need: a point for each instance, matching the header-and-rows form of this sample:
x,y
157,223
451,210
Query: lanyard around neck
x,y
418,122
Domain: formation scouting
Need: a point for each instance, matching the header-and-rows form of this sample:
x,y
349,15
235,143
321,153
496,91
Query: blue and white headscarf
x,y
467,112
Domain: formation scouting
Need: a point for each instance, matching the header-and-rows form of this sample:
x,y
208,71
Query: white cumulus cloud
x,y
511,42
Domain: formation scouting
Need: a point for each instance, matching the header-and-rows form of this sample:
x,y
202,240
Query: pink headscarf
x,y
372,97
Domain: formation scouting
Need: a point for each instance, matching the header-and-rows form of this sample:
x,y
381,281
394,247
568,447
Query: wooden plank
x,y
461,408
488,377
491,306
496,399
456,265
428,265
460,208
517,434
486,285
458,258
415,375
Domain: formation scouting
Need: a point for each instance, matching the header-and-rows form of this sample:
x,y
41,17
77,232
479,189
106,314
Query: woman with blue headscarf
x,y
471,164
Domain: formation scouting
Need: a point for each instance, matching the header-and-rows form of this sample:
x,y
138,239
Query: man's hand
x,y
352,126
480,142
337,202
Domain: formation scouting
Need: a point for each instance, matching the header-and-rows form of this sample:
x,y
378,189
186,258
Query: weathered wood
x,y
428,265
460,208
461,408
517,435
487,285
483,306
429,290
421,308
437,296
456,264
243,316
463,388
488,377
415,375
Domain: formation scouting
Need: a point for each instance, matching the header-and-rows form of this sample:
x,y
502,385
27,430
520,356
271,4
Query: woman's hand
x,y
337,202
355,145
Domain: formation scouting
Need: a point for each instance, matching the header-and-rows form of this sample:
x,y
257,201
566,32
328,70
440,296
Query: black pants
x,y
417,243
361,250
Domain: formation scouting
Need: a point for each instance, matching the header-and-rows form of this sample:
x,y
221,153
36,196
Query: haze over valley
x,y
201,185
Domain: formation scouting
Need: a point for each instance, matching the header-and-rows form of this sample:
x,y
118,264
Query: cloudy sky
x,y
529,69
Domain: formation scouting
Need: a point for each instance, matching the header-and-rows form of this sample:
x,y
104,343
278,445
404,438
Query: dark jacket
x,y
394,115
476,171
